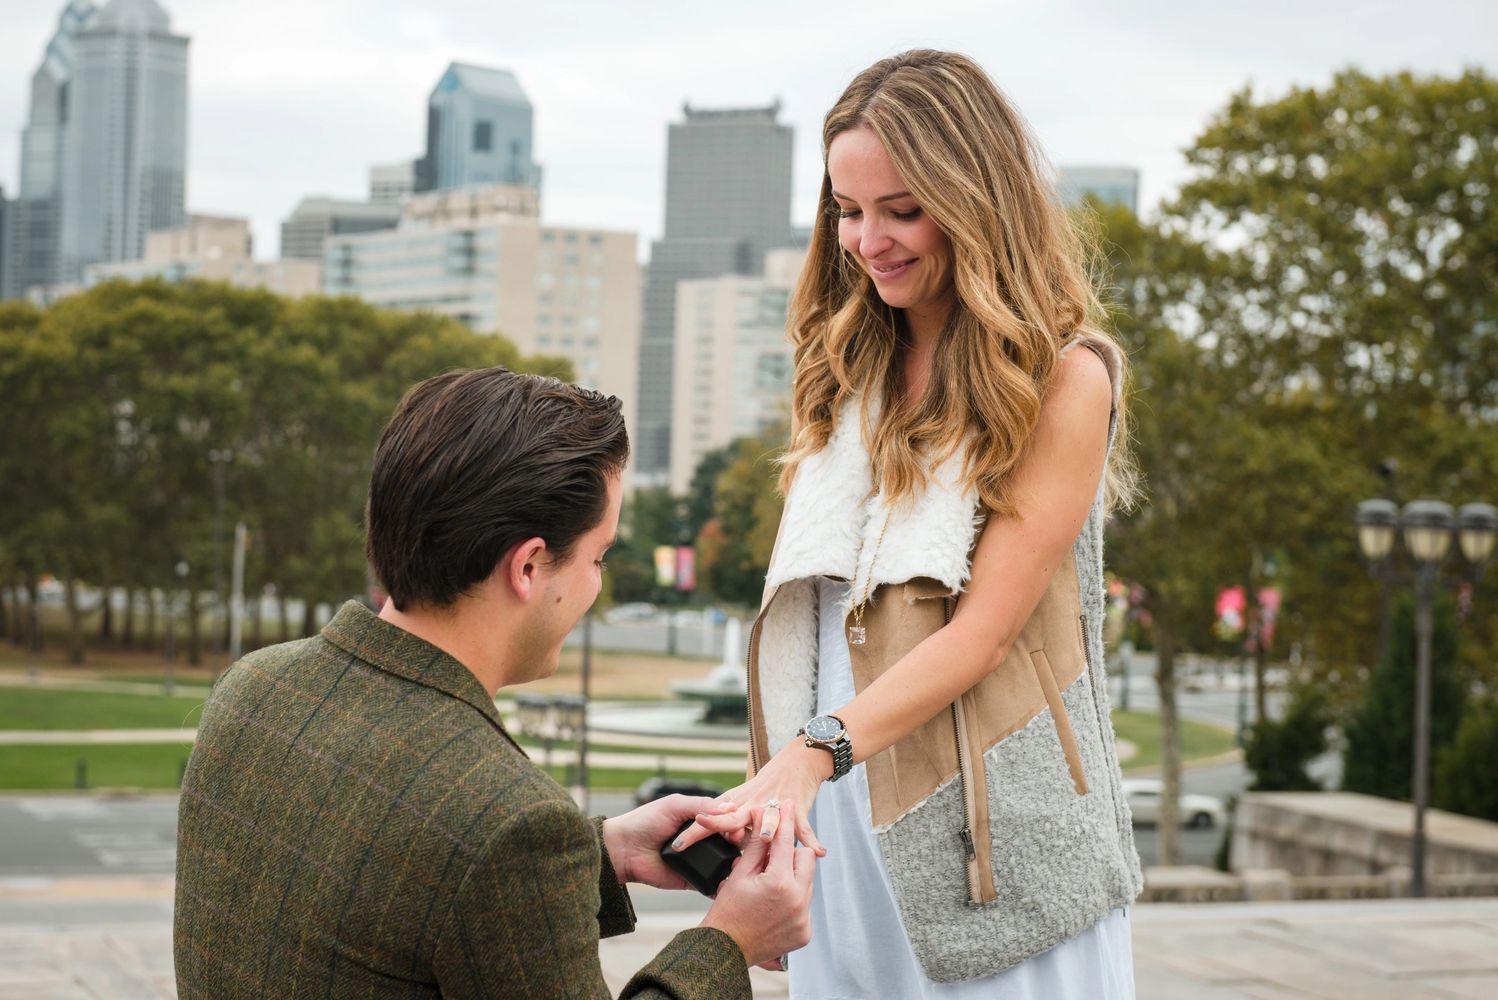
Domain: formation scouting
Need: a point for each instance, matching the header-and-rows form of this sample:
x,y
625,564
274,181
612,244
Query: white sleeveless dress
x,y
858,948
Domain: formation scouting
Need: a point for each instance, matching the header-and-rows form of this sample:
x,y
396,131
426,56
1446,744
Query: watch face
x,y
824,727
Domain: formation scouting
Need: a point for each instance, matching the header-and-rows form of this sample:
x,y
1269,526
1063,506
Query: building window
x,y
483,136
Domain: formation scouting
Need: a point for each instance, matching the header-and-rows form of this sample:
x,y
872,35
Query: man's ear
x,y
517,571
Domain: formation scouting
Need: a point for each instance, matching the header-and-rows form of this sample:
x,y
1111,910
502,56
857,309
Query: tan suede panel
x,y
900,617
1063,720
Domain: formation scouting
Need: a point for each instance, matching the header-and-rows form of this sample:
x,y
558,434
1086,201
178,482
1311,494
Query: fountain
x,y
725,690
706,711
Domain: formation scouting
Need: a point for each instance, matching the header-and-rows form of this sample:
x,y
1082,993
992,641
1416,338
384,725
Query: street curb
x,y
1233,756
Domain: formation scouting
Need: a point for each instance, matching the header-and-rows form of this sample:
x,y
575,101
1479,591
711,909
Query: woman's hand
x,y
793,776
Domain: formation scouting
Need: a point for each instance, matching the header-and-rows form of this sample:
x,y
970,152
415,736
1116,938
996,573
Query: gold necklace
x,y
857,634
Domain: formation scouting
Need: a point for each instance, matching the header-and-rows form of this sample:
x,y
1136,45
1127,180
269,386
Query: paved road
x,y
69,835
91,940
88,836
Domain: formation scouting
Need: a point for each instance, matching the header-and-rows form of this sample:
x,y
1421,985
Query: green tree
x,y
1380,731
1466,780
747,507
115,398
704,487
1277,751
1358,235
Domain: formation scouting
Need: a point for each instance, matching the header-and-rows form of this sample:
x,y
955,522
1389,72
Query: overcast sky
x,y
296,97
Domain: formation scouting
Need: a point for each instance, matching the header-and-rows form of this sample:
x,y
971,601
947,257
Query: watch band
x,y
842,756
840,748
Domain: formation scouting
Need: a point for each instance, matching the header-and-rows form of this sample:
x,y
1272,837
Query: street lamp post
x,y
1427,527
218,458
169,682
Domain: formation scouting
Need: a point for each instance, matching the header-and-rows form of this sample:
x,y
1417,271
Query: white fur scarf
x,y
832,526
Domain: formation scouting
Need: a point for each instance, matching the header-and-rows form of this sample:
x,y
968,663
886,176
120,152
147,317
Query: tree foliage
x,y
734,549
1278,750
1380,731
115,399
1319,297
1466,780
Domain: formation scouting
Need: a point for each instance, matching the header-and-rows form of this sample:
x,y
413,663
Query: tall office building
x,y
733,360
318,217
479,125
124,164
483,257
392,183
36,212
1118,185
6,213
211,248
728,202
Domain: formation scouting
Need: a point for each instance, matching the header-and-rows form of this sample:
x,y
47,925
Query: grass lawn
x,y
158,766
1198,739
58,708
145,765
620,676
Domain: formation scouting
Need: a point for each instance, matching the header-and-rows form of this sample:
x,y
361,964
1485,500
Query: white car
x,y
636,612
1198,811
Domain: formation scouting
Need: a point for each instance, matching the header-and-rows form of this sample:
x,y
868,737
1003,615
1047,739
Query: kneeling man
x,y
356,822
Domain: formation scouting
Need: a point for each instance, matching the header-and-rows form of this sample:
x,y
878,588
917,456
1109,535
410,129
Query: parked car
x,y
1197,811
662,785
635,612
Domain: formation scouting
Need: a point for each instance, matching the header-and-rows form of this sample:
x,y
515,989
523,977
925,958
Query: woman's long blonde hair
x,y
1018,267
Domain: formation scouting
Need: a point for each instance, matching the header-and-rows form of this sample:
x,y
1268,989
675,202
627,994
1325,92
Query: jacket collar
x,y
834,520
359,631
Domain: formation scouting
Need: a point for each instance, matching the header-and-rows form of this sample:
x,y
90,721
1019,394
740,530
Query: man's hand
x,y
765,903
634,840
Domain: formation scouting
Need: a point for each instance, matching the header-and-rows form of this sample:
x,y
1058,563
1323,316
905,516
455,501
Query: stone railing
x,y
1342,833
1335,845
1191,884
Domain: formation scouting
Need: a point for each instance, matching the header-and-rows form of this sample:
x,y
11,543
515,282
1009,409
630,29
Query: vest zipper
x,y
965,779
756,758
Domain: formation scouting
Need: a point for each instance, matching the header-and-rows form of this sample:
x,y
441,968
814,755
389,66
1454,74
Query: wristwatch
x,y
827,732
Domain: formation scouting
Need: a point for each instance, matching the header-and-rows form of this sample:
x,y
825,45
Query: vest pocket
x,y
1061,718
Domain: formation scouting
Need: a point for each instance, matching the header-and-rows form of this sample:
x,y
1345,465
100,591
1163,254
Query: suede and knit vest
x,y
1002,820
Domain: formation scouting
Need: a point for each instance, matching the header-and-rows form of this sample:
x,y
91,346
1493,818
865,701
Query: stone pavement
x,y
87,939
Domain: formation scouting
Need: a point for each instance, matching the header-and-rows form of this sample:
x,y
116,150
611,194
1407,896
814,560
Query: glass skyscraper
x,y
728,201
104,149
124,168
35,216
1119,185
479,125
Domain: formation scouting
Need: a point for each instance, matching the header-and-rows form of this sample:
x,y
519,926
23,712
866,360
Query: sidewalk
x,y
69,939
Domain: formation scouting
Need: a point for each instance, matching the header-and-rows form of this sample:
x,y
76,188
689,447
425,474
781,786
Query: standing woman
x,y
927,667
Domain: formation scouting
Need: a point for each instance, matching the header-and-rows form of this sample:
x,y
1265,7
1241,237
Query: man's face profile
x,y
566,590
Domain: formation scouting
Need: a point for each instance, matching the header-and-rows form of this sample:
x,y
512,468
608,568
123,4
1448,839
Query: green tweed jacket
x,y
355,822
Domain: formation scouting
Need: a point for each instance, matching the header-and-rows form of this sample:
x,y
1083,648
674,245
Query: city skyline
x,y
280,114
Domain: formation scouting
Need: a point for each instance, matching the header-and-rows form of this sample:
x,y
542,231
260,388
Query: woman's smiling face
x,y
884,227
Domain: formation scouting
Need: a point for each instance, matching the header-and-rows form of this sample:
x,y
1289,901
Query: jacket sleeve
x,y
526,917
616,912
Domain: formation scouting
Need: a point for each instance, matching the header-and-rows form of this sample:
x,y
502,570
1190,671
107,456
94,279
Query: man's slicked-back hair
x,y
475,462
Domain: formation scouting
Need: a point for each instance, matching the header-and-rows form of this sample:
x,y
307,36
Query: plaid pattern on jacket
x,y
355,822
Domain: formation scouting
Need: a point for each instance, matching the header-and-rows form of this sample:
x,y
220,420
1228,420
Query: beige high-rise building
x,y
483,257
732,360
213,248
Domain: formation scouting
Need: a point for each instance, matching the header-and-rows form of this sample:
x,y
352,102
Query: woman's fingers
x,y
807,835
769,819
732,818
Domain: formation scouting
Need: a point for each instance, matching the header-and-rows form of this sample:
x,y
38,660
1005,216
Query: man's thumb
x,y
753,859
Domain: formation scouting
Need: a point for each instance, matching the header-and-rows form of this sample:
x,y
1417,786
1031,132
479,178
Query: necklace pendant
x,y
856,635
